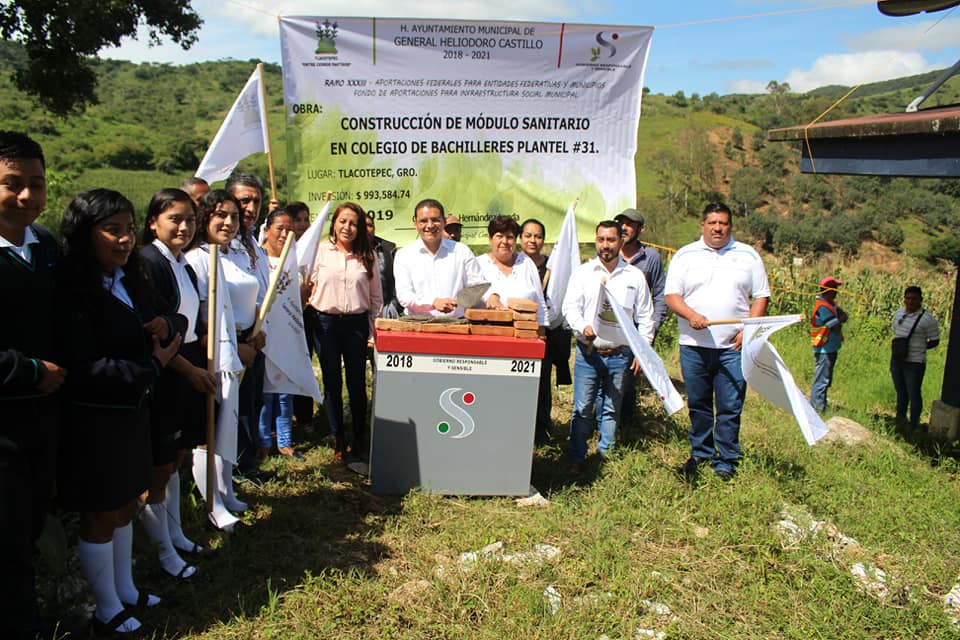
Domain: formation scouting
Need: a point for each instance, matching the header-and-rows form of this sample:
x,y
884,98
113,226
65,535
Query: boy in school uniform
x,y
28,376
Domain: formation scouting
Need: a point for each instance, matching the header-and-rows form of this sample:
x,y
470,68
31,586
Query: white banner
x,y
650,362
766,373
306,248
491,118
563,259
288,367
242,133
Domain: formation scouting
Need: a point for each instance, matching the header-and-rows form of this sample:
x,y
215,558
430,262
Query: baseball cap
x,y
449,220
830,283
631,214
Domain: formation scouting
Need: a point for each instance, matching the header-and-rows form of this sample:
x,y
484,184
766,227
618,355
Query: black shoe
x,y
690,470
724,474
111,628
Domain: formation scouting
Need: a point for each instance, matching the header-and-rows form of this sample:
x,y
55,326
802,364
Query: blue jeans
x,y
276,407
593,373
908,380
714,375
822,378
344,338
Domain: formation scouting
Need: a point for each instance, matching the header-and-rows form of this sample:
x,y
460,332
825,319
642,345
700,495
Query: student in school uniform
x,y
29,374
178,409
115,348
220,222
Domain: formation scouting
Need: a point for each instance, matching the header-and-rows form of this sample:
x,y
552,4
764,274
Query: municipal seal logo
x,y
456,412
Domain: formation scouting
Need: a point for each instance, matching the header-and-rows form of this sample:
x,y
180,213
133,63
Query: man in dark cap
x,y
648,260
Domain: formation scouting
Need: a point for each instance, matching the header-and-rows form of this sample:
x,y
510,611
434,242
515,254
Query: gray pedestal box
x,y
453,414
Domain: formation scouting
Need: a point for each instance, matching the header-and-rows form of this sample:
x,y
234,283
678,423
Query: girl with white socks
x,y
219,222
178,408
115,348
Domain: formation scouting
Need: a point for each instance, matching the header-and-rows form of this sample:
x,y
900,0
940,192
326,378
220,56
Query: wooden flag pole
x,y
271,295
266,130
740,320
212,317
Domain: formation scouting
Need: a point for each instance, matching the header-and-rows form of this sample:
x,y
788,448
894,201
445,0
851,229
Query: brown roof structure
x,y
920,144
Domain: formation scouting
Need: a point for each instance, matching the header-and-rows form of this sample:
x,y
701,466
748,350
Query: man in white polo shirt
x,y
432,269
714,278
603,358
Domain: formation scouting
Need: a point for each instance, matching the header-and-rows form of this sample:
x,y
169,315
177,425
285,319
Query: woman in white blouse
x,y
510,274
219,221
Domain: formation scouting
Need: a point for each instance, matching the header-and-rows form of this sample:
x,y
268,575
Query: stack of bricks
x,y
519,320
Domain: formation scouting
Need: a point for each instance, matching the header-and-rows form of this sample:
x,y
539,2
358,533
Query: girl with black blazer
x,y
178,410
115,347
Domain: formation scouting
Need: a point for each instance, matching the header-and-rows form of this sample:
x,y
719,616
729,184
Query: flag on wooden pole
x,y
766,373
243,132
650,362
288,368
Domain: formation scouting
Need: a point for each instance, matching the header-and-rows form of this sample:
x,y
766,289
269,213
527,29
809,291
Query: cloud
x,y
923,36
855,68
747,86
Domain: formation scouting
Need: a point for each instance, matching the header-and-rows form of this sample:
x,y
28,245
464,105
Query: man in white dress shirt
x,y
432,269
603,357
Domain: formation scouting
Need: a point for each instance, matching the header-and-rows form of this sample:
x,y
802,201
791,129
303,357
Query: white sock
x,y
96,566
230,500
220,517
154,520
172,510
123,567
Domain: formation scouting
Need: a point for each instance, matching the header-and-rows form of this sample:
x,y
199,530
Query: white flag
x,y
650,362
307,245
766,373
229,369
288,366
563,259
243,133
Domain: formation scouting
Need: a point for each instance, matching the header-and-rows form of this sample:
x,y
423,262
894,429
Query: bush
x,y
889,234
945,248
126,154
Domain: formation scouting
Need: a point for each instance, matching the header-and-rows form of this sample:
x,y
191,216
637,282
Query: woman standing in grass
x,y
277,408
178,416
219,221
346,299
557,348
113,349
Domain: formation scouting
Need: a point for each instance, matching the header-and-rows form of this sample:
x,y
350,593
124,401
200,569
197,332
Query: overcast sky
x,y
699,46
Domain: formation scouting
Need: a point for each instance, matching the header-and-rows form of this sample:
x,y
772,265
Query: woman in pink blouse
x,y
346,299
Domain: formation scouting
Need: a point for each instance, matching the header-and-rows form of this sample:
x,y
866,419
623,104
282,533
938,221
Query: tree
x,y
59,38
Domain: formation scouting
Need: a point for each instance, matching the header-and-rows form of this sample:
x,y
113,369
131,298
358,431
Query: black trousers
x,y
26,479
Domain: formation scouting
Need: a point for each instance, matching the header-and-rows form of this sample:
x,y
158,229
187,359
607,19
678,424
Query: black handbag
x,y
899,347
